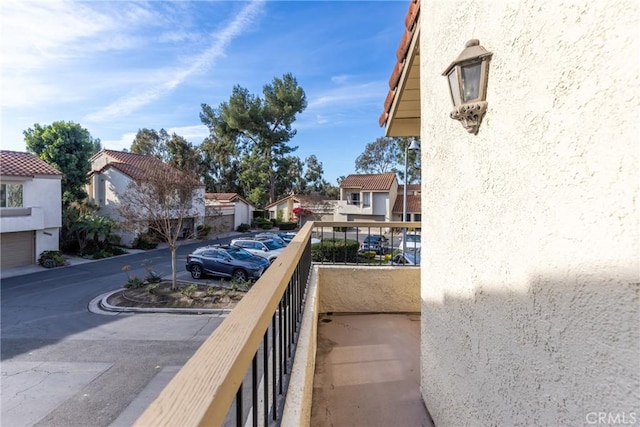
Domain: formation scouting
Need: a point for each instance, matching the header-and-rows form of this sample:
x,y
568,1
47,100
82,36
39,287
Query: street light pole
x,y
414,146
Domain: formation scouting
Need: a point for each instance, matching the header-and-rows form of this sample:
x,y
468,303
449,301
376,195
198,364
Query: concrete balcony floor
x,y
368,371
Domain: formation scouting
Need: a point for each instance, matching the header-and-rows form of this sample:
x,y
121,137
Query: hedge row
x,y
335,250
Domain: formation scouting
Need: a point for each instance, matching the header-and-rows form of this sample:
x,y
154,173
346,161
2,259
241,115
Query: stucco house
x,y
110,175
414,203
30,208
375,197
226,211
530,288
321,208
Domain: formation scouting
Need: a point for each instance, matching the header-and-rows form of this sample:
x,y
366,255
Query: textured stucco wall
x,y
530,304
345,289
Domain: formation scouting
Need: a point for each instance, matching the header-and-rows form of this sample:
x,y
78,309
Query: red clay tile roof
x,y
410,187
226,197
300,198
410,22
136,166
414,204
221,197
16,163
377,181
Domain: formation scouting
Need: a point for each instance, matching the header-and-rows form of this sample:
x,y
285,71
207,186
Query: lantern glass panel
x,y
454,87
471,82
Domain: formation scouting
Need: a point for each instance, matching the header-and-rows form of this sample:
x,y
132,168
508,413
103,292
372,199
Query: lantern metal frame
x,y
468,77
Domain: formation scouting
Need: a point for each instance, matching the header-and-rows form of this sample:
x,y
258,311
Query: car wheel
x,y
240,275
196,271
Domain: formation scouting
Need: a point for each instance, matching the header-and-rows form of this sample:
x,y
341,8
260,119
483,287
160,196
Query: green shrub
x,y
263,223
203,230
189,290
116,250
243,228
102,253
241,285
285,226
145,241
335,250
50,259
134,282
340,229
368,254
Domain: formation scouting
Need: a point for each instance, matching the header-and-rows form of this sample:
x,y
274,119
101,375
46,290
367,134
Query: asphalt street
x,y
63,365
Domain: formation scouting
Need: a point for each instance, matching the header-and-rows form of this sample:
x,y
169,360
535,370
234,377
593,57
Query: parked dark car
x,y
376,243
225,261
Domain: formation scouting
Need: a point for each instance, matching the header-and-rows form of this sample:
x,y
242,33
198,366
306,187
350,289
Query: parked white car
x,y
413,242
266,248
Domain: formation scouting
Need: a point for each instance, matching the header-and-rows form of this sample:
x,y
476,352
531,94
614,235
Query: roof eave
x,y
403,117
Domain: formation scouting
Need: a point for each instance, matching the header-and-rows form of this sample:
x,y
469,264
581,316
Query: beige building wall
x,y
530,285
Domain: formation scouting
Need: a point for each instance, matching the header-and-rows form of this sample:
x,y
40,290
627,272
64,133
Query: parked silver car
x,y
411,257
266,248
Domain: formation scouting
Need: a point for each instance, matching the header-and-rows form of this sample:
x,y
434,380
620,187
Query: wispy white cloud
x,y
190,133
120,144
340,79
191,66
338,97
37,33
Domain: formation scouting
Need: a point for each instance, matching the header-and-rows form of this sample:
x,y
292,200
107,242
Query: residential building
x,y
226,211
414,204
30,208
530,227
367,197
376,197
321,207
110,176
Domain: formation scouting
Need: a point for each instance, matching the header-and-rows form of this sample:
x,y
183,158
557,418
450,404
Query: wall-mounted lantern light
x,y
467,77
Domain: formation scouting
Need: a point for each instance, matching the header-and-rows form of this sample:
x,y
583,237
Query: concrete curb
x,y
99,305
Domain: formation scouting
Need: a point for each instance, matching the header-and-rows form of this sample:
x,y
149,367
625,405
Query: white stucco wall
x,y
530,288
243,214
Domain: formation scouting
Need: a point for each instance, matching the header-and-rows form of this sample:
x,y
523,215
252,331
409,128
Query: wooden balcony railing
x,y
248,358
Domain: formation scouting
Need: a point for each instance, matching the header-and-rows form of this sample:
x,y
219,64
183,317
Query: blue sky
x,y
115,67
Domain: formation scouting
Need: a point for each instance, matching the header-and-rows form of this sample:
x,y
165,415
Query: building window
x,y
354,199
11,195
417,217
367,200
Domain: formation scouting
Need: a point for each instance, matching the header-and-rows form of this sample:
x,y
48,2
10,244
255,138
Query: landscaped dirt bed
x,y
186,295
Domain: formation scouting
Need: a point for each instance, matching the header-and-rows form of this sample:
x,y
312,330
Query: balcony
x,y
336,342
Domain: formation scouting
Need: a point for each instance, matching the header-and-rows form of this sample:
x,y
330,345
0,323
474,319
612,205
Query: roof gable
x,y
135,166
377,181
227,198
300,198
16,163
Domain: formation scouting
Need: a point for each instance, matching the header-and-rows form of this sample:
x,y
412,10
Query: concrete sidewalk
x,y
5,273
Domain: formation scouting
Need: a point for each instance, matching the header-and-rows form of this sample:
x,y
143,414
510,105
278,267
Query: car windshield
x,y
372,239
414,238
271,244
239,253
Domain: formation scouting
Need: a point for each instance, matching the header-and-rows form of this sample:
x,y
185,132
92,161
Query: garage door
x,y
16,249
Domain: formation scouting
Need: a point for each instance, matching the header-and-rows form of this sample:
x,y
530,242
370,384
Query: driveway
x,y
63,365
